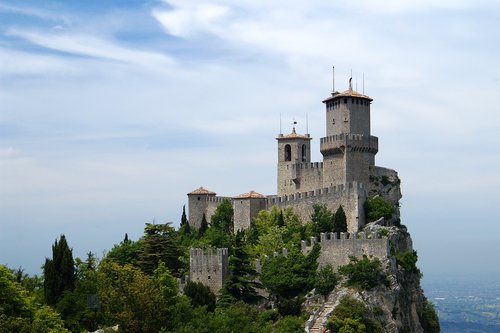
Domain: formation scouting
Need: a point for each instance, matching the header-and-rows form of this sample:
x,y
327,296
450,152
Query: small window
x,y
333,121
345,100
288,153
304,153
208,277
199,198
357,101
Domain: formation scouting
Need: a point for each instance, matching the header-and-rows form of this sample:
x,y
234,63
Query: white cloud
x,y
188,18
93,46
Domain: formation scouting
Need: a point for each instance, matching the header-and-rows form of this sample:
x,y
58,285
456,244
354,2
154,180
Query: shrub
x,y
364,274
326,280
378,207
429,319
352,315
408,261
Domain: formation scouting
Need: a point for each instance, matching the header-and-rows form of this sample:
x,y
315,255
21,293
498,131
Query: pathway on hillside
x,y
322,318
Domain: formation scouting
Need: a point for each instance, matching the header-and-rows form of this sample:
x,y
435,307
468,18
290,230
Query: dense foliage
x,y
378,207
135,285
352,316
429,318
364,274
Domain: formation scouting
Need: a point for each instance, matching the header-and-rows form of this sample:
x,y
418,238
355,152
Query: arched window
x,y
288,153
304,153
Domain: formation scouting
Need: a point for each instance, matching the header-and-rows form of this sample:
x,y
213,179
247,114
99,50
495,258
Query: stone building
x,y
346,176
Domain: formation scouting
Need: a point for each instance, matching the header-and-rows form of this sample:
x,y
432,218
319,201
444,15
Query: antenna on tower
x,y
356,83
281,132
363,83
333,79
350,81
307,124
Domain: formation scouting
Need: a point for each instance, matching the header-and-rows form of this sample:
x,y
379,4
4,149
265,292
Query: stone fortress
x,y
347,176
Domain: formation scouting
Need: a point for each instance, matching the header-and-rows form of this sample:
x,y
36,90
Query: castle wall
x,y
245,210
209,268
202,204
336,251
299,177
351,196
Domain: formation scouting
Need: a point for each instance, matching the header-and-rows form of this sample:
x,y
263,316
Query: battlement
x,y
337,250
340,189
209,268
336,144
217,199
302,166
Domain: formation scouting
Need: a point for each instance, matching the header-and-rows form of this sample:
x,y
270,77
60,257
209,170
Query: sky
x,y
112,111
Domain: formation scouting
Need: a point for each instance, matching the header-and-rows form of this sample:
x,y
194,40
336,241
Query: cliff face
x,y
398,305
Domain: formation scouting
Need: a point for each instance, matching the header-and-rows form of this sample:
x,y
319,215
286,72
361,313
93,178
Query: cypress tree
x,y
340,223
184,221
59,272
281,219
203,226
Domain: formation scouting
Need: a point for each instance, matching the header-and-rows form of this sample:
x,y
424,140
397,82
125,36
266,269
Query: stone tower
x,y
349,148
293,150
199,200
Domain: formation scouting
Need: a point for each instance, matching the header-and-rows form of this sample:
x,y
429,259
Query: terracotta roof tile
x,y
347,93
250,195
202,190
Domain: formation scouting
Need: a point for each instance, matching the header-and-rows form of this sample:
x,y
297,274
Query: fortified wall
x,y
337,250
209,267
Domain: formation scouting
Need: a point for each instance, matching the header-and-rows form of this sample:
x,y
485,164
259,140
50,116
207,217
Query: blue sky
x,y
111,111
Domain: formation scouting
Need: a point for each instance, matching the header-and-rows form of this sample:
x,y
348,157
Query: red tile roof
x,y
250,195
202,190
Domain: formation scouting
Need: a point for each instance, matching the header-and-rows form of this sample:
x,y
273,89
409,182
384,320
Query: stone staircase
x,y
321,318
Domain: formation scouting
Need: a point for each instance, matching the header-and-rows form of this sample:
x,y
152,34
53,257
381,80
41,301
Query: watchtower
x,y
349,148
293,149
198,201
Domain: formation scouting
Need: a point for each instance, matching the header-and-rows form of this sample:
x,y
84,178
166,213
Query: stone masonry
x,y
346,176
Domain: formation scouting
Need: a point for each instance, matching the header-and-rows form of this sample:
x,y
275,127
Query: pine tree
x,y
340,224
203,226
281,219
241,284
59,272
160,243
184,221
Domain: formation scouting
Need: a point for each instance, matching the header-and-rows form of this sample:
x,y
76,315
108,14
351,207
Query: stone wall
x,y
209,268
336,251
245,210
351,196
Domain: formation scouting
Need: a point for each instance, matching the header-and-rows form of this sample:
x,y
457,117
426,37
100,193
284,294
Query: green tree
x,y
200,295
326,280
340,224
378,207
290,324
160,243
241,284
127,252
429,319
130,298
364,273
184,226
287,279
353,316
408,261
21,312
203,226
323,220
59,272
223,216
